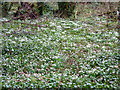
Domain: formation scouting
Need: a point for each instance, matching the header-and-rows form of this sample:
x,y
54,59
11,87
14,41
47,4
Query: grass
x,y
66,53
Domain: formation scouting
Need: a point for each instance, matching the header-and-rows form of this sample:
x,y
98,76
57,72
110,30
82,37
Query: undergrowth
x,y
65,53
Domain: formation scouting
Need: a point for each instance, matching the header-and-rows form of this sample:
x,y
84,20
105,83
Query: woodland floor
x,y
63,53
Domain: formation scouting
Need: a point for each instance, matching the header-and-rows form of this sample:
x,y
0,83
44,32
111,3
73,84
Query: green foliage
x,y
66,53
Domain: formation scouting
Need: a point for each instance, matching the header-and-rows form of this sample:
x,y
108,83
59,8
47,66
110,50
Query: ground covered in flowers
x,y
62,53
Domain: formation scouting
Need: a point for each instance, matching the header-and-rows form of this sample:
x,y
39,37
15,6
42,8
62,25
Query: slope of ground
x,y
65,53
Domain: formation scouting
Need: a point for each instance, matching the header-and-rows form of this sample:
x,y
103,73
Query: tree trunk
x,y
40,6
119,13
118,27
66,9
6,6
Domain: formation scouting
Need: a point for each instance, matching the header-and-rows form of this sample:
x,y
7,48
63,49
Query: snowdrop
x,y
89,45
116,33
52,24
13,42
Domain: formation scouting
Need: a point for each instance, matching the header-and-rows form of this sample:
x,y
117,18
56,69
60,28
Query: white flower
x,y
103,47
8,32
67,27
75,24
77,28
89,45
53,30
84,24
59,27
52,24
13,42
4,19
53,64
23,39
116,33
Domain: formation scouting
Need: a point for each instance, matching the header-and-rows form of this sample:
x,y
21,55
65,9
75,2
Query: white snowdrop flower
x,y
77,28
97,45
43,28
75,24
62,36
42,66
63,21
22,40
97,18
69,83
9,40
51,61
35,74
76,86
116,33
4,19
74,77
71,21
8,32
53,30
59,27
74,44
64,74
93,33
86,75
53,64
1,19
13,42
41,70
52,68
49,38
89,45
93,70
59,74
50,86
114,38
38,28
27,75
92,57
52,24
110,32
55,57
38,39
16,38
99,40
103,47
103,21
12,29
46,64
67,27
33,23
37,21
57,34
88,83
70,36
84,24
